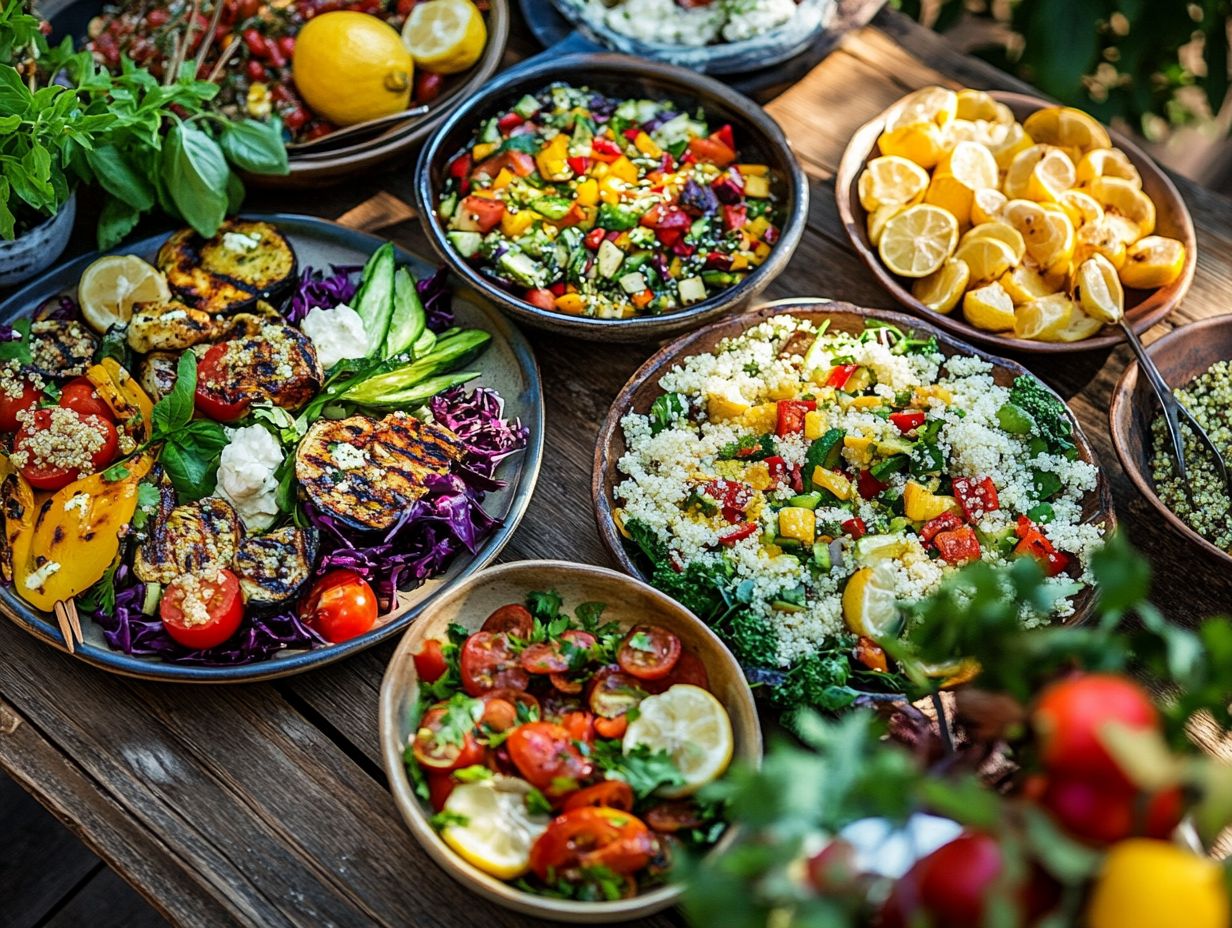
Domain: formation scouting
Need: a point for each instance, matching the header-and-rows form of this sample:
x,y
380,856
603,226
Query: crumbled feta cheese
x,y
41,576
347,457
78,501
240,241
246,475
337,334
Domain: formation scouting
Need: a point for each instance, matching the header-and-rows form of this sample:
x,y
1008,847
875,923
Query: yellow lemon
x,y
691,726
1024,284
1154,261
445,36
1145,883
989,308
111,286
878,218
1018,174
351,67
987,257
975,104
1079,328
986,205
919,142
1043,319
1097,289
1121,198
971,163
1107,162
1002,231
1049,235
1080,207
1101,236
1066,128
928,104
941,290
918,240
1051,176
961,130
491,827
891,181
1005,141
870,607
947,192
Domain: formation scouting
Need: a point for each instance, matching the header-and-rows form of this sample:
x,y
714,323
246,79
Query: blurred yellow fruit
x,y
1080,207
870,607
1024,284
891,181
919,142
941,290
1018,174
928,104
975,104
1051,177
1043,319
1005,141
989,308
918,240
1107,162
1097,289
999,230
971,163
1066,128
988,258
351,67
878,218
1079,328
1154,261
445,36
986,205
1122,198
1145,883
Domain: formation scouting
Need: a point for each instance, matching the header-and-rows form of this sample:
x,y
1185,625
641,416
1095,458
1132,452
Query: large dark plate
x,y
508,367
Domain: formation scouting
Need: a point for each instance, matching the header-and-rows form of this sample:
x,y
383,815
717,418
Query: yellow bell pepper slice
x,y
797,523
587,193
17,500
837,484
921,505
625,169
553,159
814,424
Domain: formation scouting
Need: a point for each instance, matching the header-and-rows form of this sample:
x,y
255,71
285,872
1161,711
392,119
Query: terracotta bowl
x,y
628,602
1181,355
1143,308
761,140
643,389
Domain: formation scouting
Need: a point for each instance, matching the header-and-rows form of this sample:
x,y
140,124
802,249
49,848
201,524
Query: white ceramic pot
x,y
36,250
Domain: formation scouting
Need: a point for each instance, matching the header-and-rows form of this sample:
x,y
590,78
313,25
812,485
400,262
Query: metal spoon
x,y
361,128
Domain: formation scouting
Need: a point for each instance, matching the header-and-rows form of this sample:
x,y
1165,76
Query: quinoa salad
x,y
1203,504
819,480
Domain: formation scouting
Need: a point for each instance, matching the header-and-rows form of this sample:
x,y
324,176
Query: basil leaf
x,y
190,458
256,146
235,193
8,222
115,220
175,409
118,178
19,348
196,171
15,96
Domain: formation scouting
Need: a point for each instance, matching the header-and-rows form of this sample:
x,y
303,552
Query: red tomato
x,y
612,728
610,794
498,714
547,758
593,836
10,406
945,522
440,785
854,527
566,654
566,683
673,815
614,692
689,669
488,662
791,416
340,606
434,751
869,486
224,609
959,545
1037,545
519,162
213,399
580,725
711,150
1104,812
734,217
908,420
648,652
484,212
950,887
738,532
517,698
46,476
832,869
510,121
430,661
541,298
725,136
976,497
255,70
513,619
428,86
1070,714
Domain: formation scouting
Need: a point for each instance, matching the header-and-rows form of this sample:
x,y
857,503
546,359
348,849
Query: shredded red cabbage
x,y
437,299
316,290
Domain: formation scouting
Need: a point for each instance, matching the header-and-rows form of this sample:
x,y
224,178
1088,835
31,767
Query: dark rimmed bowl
x,y
643,389
762,141
1181,355
1143,308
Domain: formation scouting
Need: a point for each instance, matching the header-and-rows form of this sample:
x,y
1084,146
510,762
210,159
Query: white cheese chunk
x,y
246,475
337,334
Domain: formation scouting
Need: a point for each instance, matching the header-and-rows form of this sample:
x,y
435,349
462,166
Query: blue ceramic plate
x,y
508,367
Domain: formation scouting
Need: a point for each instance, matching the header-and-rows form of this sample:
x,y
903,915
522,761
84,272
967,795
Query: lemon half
x,y
692,727
445,36
491,827
113,285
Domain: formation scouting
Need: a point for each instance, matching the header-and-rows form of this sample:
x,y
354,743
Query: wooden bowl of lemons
x,y
1013,222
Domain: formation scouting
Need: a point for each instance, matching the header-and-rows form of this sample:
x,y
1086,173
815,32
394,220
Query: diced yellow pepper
x,y
514,224
503,179
757,475
571,303
675,267
761,252
720,407
921,395
757,227
867,402
611,188
646,145
757,187
618,517
860,447
553,159
482,150
920,505
753,170
761,418
797,523
625,169
587,193
739,262
622,241
814,425
836,483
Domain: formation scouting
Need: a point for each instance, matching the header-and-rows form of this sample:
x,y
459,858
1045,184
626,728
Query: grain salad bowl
x,y
1181,355
628,601
760,140
643,389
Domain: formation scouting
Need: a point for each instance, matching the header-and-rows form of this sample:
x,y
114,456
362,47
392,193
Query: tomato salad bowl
x,y
583,711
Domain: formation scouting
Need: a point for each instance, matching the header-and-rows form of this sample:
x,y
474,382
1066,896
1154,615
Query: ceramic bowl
x,y
1143,308
643,389
761,141
1181,355
628,602
36,250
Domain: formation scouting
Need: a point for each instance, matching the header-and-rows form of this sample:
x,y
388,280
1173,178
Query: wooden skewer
x,y
207,41
70,624
222,60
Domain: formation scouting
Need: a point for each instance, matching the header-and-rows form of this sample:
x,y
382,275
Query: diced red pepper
x,y
945,522
604,149
871,655
668,163
771,235
1039,547
734,217
594,238
541,298
557,289
797,478
682,248
959,545
840,375
731,497
855,527
717,261
519,162
977,498
712,151
907,420
486,212
579,164
791,416
460,167
869,486
729,536
725,135
631,134
669,222
510,120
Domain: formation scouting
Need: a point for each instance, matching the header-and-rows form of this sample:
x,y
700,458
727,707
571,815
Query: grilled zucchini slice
x,y
194,537
366,472
244,262
62,348
274,567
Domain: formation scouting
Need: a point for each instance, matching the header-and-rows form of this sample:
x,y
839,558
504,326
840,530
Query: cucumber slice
x,y
609,259
467,244
408,320
375,300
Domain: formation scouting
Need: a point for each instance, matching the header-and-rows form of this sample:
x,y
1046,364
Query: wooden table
x,y
266,804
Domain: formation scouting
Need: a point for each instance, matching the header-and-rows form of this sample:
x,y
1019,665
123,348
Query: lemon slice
x,y
113,285
1043,319
1024,284
1120,197
1080,207
1005,141
986,205
1097,289
1100,237
1067,128
1018,174
971,163
1052,175
928,104
987,257
878,218
975,104
919,142
918,240
989,308
941,290
1154,261
490,826
891,181
1049,235
1079,328
1002,231
1107,162
445,36
870,606
692,726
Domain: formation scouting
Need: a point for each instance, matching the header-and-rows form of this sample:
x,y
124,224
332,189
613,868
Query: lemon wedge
x,y
917,241
1066,128
1043,319
1097,289
870,606
920,143
1080,207
1154,261
1102,236
1024,284
1079,328
941,290
445,36
986,205
490,827
1107,162
987,257
989,308
113,285
1120,197
1001,231
692,727
928,104
891,181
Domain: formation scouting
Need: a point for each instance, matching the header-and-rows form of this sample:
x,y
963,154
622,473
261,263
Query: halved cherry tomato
x,y
513,619
80,396
593,836
486,213
580,725
510,120
648,652
440,785
10,406
340,605
547,758
672,816
614,692
428,85
223,610
612,728
488,662
436,752
566,683
610,794
430,661
541,298
566,654
854,527
689,670
519,162
520,699
47,476
498,714
711,150
212,398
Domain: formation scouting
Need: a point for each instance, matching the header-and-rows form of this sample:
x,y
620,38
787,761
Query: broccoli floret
x,y
1050,415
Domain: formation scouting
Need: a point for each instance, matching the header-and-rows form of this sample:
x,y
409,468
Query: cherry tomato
x,y
593,836
831,870
47,476
672,816
648,652
614,692
286,45
10,406
498,714
256,42
157,17
255,70
340,606
428,86
80,396
488,662
557,706
513,619
1102,812
213,398
547,758
580,725
561,656
436,752
430,661
246,9
440,785
689,669
950,887
404,7
711,150
612,728
223,609
566,683
611,794
519,699
541,298
483,212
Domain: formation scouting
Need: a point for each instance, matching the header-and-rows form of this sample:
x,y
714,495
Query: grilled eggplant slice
x,y
170,326
274,567
366,472
157,373
194,537
62,348
278,364
243,263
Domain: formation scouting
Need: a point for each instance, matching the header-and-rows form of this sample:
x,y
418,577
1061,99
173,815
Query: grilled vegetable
x,y
157,373
408,320
60,348
273,568
244,262
17,500
169,326
366,472
194,537
278,364
375,300
127,401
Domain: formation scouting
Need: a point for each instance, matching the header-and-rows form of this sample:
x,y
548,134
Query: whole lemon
x,y
1155,884
351,67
